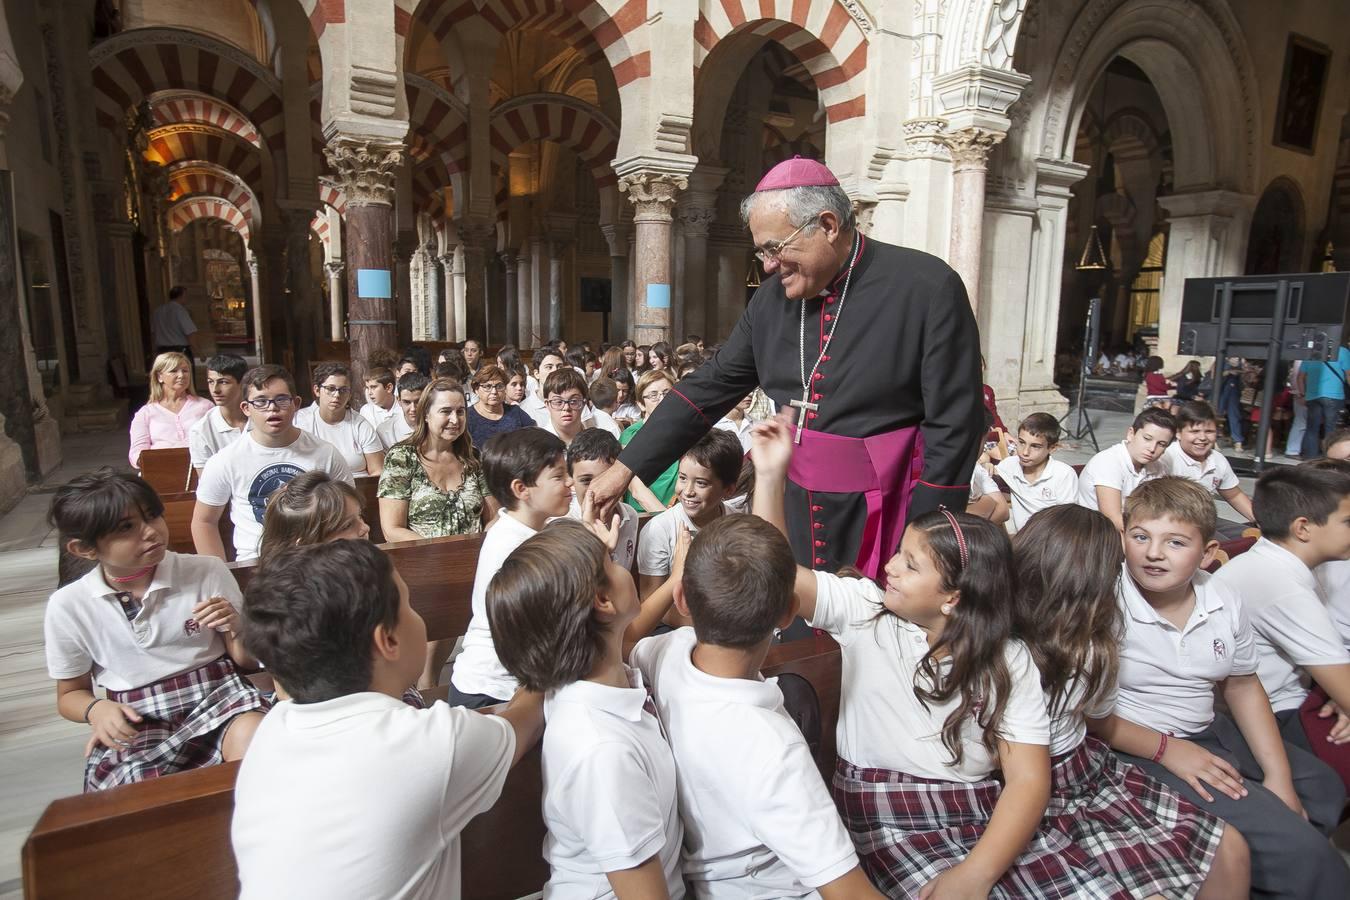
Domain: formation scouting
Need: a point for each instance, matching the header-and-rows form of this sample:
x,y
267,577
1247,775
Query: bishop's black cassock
x,y
905,352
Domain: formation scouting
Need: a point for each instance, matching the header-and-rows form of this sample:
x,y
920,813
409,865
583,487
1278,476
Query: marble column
x,y
255,302
617,237
405,245
539,291
365,169
512,311
272,282
478,240
461,294
698,300
432,284
450,314
334,269
970,149
557,256
525,290
653,195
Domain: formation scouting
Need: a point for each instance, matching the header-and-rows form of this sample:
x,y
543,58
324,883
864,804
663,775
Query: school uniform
x,y
628,532
981,483
740,428
656,542
1333,578
1056,484
153,656
211,434
1213,473
363,796
479,678
1113,468
353,437
1293,630
912,812
394,429
1166,682
376,415
758,821
610,801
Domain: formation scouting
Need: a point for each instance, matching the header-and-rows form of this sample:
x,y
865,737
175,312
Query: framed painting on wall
x,y
1306,63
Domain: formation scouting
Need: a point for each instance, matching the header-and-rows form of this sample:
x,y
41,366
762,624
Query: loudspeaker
x,y
1314,321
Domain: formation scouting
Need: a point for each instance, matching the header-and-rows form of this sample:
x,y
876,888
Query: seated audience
x,y
1035,479
1114,473
626,410
332,419
223,425
173,409
547,360
492,415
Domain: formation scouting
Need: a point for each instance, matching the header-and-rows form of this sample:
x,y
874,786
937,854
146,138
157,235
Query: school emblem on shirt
x,y
266,482
1220,649
190,627
1217,479
1047,494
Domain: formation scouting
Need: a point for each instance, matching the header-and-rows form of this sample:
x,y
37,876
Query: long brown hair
x,y
976,632
463,445
1067,560
309,509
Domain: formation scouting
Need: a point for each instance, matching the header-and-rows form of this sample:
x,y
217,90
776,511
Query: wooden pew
x,y
168,470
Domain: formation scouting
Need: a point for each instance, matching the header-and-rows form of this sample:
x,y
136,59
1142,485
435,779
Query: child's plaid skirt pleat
x,y
183,723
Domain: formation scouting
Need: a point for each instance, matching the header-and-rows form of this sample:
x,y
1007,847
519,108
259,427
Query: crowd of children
x,y
1080,710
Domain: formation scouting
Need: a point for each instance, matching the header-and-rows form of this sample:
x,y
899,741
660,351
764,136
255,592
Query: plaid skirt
x,y
1143,833
908,830
183,722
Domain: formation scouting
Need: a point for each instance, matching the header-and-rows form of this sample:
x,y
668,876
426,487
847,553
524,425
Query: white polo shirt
x,y
1055,486
376,415
477,668
210,434
628,532
363,796
741,429
1334,580
981,483
536,407
393,429
1113,468
1213,473
1167,675
882,724
609,789
354,437
656,543
1292,624
88,633
758,819
1068,729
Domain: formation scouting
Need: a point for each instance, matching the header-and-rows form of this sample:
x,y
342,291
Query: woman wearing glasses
x,y
331,418
652,388
492,414
173,408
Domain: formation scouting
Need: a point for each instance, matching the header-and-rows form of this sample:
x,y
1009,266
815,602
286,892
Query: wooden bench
x,y
168,470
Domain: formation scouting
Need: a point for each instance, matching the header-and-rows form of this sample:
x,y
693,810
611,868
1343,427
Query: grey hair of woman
x,y
803,204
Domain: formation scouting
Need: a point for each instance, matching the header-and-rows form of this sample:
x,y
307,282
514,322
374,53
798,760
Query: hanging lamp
x,y
1093,258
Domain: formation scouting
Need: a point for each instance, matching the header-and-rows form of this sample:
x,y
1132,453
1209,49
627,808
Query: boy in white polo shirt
x,y
1193,455
1185,635
589,456
380,404
1035,479
758,820
353,793
223,425
1304,514
610,802
526,472
403,423
270,454
1113,474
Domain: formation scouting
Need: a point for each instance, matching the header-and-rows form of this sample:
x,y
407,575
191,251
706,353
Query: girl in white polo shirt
x,y
1067,561
158,631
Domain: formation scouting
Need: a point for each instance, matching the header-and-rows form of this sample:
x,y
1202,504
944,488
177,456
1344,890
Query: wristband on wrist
x,y
89,708
1162,748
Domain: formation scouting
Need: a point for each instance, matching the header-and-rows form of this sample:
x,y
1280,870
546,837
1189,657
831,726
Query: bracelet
x,y
1162,748
90,707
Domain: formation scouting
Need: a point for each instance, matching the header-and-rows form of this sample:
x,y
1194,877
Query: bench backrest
x,y
168,470
120,843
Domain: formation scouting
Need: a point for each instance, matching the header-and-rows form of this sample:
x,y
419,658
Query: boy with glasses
x,y
244,474
565,396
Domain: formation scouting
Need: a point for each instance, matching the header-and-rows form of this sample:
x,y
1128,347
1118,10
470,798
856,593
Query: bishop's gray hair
x,y
802,204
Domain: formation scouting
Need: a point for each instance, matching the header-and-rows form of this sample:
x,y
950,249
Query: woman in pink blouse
x,y
173,408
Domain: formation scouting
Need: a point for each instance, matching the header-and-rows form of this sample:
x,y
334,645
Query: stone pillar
x,y
433,283
653,195
334,269
512,311
479,238
617,237
272,280
302,294
460,293
558,244
255,302
539,291
698,300
970,150
447,261
366,169
405,245
525,290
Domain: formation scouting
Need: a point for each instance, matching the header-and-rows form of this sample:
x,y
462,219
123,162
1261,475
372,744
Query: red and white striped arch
x,y
175,107
823,36
332,195
192,179
438,139
564,120
185,212
172,144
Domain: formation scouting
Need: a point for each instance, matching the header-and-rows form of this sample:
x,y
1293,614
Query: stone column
x,y
366,170
970,150
460,293
558,244
447,261
539,290
272,281
698,300
433,283
334,269
653,195
525,290
478,239
405,245
617,237
303,318
255,302
512,311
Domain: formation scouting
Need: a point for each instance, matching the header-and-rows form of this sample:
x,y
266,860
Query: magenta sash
x,y
883,467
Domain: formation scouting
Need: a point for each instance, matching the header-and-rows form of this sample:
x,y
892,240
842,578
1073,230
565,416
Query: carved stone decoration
x,y
970,148
924,139
653,194
373,92
696,220
1001,36
365,169
859,15
334,268
617,236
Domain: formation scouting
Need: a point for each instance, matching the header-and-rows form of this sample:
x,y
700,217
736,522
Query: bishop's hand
x,y
607,490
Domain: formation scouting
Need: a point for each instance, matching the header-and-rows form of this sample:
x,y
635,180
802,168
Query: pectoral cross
x,y
802,407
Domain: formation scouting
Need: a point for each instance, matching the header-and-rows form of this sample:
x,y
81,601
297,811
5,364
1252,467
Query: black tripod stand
x,y
1083,426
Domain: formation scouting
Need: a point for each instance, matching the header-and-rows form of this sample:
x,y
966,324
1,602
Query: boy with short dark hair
x,y
1194,455
604,393
1185,634
1035,479
1113,474
380,405
399,427
526,472
589,456
243,475
706,480
758,820
564,393
1304,514
223,425
352,792
547,360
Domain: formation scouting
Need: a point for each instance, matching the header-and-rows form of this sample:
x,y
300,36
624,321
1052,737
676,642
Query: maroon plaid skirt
x,y
908,830
1136,828
183,723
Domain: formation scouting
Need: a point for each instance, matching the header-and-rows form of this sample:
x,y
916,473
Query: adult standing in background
x,y
172,326
1324,390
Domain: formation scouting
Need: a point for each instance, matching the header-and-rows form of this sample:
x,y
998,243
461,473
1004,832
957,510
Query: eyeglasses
x,y
560,403
655,396
334,391
772,250
492,388
285,401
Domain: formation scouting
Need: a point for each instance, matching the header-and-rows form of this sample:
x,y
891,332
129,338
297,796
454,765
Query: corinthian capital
x,y
653,194
365,169
970,148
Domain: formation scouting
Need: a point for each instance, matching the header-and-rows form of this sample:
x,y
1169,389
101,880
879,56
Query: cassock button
x,y
818,376
824,359
820,543
818,525
815,396
811,415
819,561
817,508
830,299
829,318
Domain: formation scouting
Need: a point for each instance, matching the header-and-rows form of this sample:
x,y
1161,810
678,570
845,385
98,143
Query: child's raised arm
x,y
771,451
525,714
1250,706
657,604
